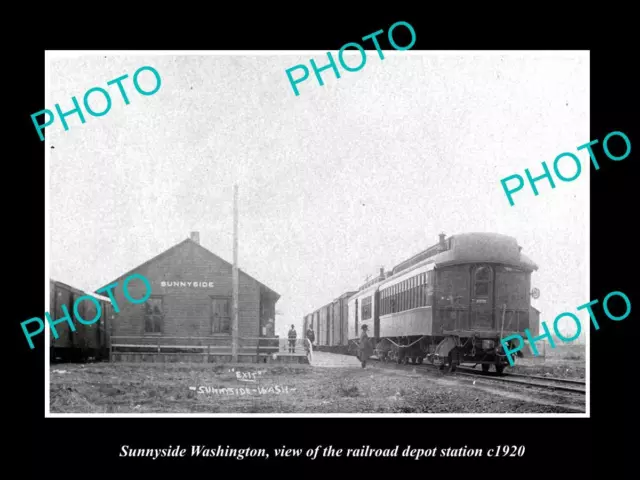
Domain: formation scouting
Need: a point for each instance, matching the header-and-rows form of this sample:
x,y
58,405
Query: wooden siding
x,y
187,311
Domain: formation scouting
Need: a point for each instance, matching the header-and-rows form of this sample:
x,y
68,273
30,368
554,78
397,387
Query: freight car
x,y
87,341
330,325
449,304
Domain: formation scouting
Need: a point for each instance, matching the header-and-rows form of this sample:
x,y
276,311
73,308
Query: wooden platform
x,y
165,349
189,357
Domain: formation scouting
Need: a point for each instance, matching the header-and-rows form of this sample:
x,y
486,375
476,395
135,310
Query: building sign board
x,y
187,284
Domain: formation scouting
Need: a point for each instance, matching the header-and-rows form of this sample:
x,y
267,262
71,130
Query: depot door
x,y
482,317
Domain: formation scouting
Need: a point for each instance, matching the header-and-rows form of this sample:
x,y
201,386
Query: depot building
x,y
190,303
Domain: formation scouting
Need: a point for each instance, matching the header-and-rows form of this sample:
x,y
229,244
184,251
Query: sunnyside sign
x,y
187,284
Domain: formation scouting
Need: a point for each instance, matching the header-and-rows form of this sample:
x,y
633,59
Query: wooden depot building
x,y
188,316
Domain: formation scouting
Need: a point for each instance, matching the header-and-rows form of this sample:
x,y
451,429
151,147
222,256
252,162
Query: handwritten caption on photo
x,y
260,390
323,452
363,61
67,317
116,81
547,174
248,376
510,348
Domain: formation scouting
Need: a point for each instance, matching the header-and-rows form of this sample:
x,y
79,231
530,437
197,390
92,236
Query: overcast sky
x,y
333,184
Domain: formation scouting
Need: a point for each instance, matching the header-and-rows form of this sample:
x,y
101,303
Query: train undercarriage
x,y
447,352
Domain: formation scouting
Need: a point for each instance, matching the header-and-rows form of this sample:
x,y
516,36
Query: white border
x,y
50,54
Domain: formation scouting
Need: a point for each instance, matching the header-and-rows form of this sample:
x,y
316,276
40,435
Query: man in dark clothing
x,y
311,336
364,348
292,339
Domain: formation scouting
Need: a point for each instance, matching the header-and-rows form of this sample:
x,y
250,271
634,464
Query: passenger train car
x,y
87,341
449,304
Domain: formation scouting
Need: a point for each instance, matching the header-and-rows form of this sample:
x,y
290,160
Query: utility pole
x,y
234,328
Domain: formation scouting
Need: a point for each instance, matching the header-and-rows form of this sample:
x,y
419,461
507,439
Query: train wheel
x,y
405,360
499,369
485,367
419,359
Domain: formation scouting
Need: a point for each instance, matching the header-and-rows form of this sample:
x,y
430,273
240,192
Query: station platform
x,y
333,360
285,357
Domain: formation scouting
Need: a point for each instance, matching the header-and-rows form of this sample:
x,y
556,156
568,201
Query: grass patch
x,y
175,388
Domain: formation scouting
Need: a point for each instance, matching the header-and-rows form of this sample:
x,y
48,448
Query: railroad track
x,y
550,383
569,381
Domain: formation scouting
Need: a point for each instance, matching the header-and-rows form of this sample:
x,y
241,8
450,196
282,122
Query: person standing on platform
x,y
365,350
293,335
311,336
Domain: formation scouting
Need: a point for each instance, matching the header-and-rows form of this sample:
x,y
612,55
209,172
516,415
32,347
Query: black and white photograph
x,y
350,250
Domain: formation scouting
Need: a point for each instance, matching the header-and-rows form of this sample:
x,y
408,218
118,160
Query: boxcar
x,y
87,341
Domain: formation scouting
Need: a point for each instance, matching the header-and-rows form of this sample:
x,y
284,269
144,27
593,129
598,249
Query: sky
x,y
348,177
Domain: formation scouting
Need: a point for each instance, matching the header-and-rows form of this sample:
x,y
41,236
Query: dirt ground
x,y
255,388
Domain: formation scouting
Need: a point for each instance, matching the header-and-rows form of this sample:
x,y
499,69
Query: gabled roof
x,y
208,252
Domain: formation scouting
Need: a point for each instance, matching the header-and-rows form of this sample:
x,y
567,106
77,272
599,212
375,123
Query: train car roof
x,y
459,249
80,290
471,247
486,248
468,248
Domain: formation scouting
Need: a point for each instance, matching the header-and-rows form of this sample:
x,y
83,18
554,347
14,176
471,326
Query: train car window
x,y
396,298
424,289
425,294
366,308
414,301
404,295
388,302
356,312
383,306
482,280
412,294
153,315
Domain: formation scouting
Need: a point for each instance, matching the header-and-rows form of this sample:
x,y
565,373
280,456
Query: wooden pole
x,y
234,345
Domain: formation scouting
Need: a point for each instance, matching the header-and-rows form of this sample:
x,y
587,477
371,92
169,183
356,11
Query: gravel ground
x,y
175,388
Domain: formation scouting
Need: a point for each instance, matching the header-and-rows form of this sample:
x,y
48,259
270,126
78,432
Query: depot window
x,y
153,315
221,315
